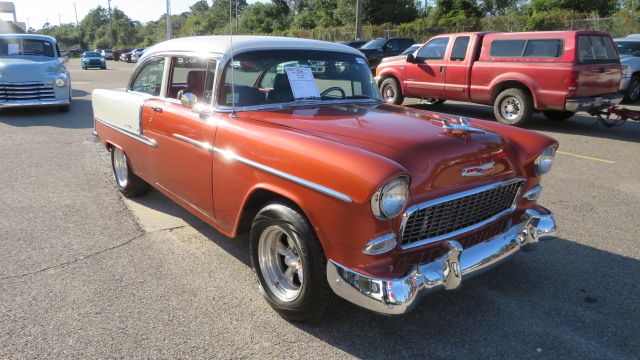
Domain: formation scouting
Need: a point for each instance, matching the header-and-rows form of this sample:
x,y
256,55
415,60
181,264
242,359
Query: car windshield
x,y
411,49
92,54
295,76
628,47
374,44
26,47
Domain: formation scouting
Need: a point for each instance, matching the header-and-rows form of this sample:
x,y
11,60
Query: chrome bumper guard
x,y
596,102
399,296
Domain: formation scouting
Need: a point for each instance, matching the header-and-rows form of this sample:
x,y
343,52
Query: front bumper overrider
x,y
399,296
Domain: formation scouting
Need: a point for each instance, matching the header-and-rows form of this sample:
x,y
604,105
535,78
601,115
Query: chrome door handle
x,y
156,109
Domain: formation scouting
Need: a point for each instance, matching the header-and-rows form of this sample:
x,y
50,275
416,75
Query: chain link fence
x,y
617,27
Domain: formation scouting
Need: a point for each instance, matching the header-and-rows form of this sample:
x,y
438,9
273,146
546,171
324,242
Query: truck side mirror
x,y
411,59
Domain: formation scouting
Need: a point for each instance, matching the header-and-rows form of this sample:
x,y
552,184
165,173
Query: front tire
x,y
289,263
391,91
633,90
129,184
513,107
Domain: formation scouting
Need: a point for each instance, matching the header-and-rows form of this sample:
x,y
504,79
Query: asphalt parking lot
x,y
86,273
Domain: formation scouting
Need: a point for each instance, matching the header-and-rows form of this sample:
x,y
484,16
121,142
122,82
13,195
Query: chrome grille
x,y
454,215
26,91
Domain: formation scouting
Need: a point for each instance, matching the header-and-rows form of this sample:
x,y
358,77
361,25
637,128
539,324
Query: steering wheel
x,y
334,88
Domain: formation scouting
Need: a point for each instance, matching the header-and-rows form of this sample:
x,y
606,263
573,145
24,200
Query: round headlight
x,y
544,162
391,198
60,82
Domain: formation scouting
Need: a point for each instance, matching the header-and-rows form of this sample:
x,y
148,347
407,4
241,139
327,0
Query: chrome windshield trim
x,y
414,208
145,140
199,144
286,105
325,190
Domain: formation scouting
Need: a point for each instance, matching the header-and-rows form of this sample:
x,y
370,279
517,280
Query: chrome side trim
x,y
325,190
145,140
199,144
400,296
418,207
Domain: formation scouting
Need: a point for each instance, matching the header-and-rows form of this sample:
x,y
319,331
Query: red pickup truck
x,y
556,72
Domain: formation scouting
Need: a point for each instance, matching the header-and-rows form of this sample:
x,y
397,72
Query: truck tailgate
x,y
598,79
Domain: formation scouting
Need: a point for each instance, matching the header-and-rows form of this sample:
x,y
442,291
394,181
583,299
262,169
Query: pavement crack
x,y
81,258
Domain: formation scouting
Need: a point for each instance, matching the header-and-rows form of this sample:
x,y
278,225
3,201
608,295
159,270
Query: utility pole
x,y
110,26
168,19
359,20
77,26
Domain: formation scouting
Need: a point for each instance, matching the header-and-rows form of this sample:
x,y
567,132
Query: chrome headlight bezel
x,y
391,198
60,82
544,162
625,69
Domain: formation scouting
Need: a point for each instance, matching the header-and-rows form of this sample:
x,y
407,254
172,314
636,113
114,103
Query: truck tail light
x,y
572,83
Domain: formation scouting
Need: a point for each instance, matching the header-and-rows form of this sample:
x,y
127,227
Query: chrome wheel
x,y
510,108
280,263
120,168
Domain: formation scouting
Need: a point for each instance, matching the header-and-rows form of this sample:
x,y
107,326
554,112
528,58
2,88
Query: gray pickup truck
x,y
629,49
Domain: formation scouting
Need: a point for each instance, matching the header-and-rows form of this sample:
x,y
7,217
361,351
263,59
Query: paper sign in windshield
x,y
302,82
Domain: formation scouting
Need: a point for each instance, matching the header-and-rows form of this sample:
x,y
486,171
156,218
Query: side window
x,y
393,46
190,74
434,49
459,50
507,48
544,48
149,78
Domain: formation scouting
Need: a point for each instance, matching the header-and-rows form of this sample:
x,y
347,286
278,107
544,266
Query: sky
x,y
35,13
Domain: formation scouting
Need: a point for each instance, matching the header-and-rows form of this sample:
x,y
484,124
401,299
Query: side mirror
x,y
411,59
188,100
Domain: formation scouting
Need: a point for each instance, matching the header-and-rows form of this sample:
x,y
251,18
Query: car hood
x,y
28,68
92,58
628,58
415,140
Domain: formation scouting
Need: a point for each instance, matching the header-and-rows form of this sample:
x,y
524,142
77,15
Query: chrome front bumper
x,y
399,296
34,103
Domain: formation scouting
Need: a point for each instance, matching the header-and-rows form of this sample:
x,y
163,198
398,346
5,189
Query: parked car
x,y
107,54
629,50
556,72
137,54
92,59
342,194
33,72
117,53
353,44
410,50
377,49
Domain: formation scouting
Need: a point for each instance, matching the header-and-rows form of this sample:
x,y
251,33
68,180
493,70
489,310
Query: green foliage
x,y
334,20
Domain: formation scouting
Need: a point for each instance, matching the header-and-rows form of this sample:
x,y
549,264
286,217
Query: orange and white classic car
x,y
343,195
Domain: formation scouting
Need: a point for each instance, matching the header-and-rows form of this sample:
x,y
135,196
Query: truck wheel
x,y
289,263
557,115
128,182
633,91
391,91
513,107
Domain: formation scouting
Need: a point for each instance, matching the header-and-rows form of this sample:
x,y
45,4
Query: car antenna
x,y
233,87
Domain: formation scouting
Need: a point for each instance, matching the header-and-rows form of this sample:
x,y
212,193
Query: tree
x,y
260,18
601,7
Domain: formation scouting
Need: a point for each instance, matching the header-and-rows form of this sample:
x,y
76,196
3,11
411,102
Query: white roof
x,y
28,36
222,44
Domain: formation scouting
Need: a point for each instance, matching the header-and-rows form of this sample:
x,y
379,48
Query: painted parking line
x,y
586,157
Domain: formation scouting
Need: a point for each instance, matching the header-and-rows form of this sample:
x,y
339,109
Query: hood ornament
x,y
478,170
463,125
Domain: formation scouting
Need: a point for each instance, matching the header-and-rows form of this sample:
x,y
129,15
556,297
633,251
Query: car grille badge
x,y
478,170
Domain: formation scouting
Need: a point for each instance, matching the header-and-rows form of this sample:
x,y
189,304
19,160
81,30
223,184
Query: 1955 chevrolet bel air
x,y
342,194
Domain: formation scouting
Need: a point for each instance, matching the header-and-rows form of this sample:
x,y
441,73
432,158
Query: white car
x,y
33,72
107,54
137,54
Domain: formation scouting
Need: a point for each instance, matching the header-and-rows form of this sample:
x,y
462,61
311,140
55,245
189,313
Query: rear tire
x,y
129,184
513,107
289,263
391,91
633,90
557,115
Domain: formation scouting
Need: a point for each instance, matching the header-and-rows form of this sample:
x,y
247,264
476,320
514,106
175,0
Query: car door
x,y
457,70
426,77
183,159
